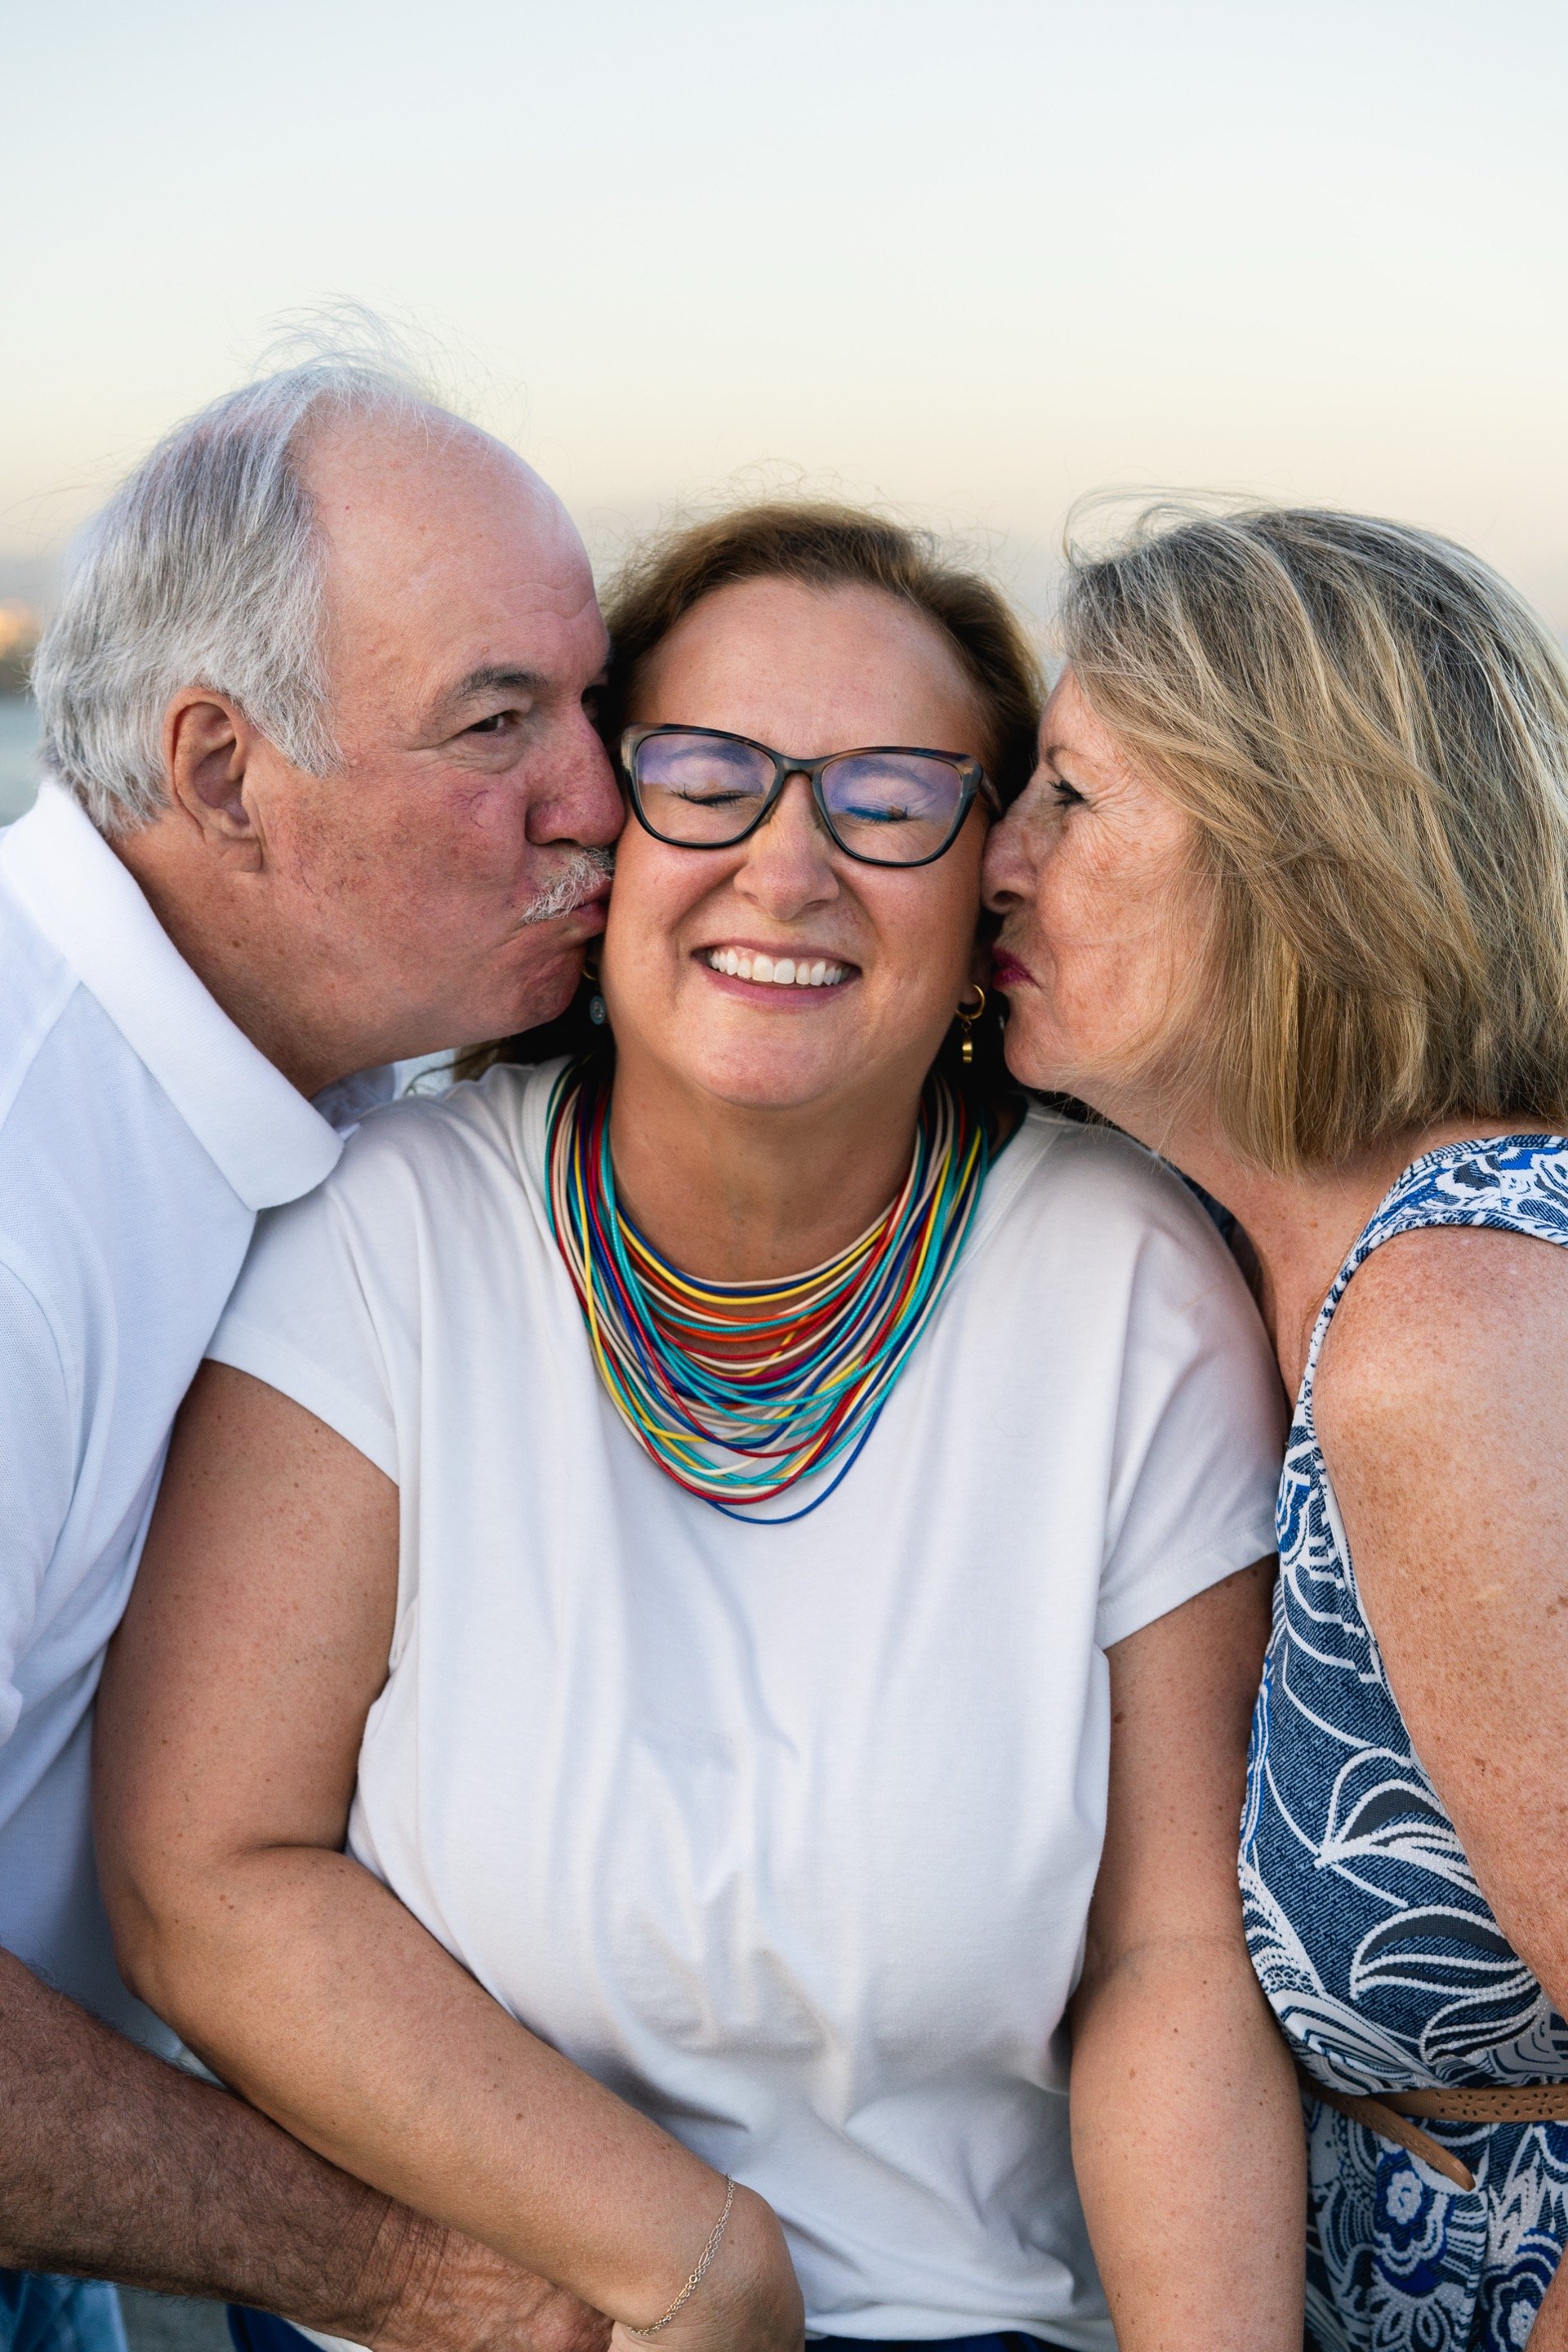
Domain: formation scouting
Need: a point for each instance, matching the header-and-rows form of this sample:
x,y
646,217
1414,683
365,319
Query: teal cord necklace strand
x,y
738,1408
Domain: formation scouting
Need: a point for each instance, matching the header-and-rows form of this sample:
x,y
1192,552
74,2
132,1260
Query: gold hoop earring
x,y
966,1021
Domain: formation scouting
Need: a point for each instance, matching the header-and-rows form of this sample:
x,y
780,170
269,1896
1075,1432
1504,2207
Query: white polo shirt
x,y
140,1133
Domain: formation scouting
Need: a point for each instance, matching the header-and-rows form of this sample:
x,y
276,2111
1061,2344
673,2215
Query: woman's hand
x,y
748,2300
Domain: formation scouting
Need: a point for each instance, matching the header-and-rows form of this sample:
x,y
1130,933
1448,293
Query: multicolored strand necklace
x,y
740,1389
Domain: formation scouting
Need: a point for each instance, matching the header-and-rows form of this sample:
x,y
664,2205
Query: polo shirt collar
x,y
261,1132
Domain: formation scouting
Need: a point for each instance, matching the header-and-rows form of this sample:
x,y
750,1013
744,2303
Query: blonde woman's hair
x,y
1370,729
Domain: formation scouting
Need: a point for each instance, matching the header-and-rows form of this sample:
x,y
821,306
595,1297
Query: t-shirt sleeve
x,y
300,1318
1201,1429
37,1472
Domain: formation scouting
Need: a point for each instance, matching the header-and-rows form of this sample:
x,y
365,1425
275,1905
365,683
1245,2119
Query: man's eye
x,y
494,725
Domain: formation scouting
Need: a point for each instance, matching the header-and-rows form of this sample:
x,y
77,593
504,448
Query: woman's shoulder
x,y
1114,1190
423,1176
1514,1182
1448,1276
486,1132
430,1186
1448,1318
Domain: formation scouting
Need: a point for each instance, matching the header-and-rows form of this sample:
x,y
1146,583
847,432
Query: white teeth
x,y
782,971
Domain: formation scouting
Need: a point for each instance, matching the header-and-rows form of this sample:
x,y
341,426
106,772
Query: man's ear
x,y
207,743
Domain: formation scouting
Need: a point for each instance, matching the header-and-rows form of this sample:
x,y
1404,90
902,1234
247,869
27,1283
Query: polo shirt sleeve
x,y
36,1471
1201,1428
300,1318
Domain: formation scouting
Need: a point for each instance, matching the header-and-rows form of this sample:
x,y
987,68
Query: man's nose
x,y
582,800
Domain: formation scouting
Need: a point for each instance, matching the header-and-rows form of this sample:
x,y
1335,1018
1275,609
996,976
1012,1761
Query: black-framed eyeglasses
x,y
888,804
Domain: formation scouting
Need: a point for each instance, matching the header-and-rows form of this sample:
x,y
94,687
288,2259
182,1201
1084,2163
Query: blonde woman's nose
x,y
1008,873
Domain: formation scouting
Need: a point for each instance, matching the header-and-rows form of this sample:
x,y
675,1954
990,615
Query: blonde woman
x,y
1287,898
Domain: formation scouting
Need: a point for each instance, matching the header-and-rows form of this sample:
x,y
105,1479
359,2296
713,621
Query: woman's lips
x,y
1008,973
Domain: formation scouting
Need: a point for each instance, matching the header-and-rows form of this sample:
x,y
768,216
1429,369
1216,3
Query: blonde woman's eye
x,y
1064,793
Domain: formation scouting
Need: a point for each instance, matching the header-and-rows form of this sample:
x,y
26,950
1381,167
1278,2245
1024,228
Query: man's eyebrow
x,y
494,677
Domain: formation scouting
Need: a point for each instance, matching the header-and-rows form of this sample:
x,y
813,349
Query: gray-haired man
x,y
324,794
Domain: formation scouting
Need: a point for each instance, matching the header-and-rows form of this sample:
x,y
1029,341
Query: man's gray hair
x,y
205,570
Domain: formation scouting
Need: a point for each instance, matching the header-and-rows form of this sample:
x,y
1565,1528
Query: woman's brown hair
x,y
824,545
1369,729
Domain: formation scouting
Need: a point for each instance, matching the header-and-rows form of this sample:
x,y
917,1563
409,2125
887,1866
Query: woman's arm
x,y
1443,1415
228,1741
1186,2126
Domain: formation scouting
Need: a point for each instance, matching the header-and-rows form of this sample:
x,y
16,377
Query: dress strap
x,y
1512,1183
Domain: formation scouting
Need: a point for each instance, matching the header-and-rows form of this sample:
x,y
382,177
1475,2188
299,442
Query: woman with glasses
x,y
699,1633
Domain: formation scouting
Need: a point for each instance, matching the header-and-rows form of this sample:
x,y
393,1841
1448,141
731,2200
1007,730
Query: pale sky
x,y
978,258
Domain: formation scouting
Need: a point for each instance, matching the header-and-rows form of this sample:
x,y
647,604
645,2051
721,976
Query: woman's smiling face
x,y
808,671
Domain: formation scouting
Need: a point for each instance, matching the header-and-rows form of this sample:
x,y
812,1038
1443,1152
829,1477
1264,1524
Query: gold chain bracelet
x,y
695,2281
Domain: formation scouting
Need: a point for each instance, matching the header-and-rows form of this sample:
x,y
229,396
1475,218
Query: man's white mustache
x,y
582,880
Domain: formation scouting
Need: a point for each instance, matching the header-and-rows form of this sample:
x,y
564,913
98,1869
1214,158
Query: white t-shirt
x,y
787,1834
140,1132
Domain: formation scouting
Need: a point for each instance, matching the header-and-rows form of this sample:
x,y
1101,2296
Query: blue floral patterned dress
x,y
1372,1939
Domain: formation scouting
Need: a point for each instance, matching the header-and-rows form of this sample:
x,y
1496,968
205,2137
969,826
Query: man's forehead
x,y
446,550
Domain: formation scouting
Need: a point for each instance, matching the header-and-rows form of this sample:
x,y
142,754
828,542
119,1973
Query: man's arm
x,y
113,2165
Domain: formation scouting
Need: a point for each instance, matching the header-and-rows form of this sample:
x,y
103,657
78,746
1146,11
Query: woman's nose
x,y
1006,873
788,861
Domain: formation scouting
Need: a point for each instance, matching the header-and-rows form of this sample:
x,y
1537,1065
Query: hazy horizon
x,y
976,264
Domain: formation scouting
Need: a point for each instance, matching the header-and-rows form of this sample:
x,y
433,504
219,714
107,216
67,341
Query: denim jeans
x,y
1010,2343
39,2312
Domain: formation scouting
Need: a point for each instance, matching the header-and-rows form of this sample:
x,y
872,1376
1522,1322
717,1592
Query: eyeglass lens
x,y
896,807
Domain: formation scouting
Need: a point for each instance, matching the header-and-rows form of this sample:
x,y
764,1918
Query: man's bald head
x,y
431,534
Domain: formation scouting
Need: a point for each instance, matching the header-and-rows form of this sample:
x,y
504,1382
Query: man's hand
x,y
459,2296
115,2166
